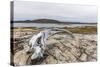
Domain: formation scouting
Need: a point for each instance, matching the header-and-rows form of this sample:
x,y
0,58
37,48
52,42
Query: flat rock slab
x,y
63,49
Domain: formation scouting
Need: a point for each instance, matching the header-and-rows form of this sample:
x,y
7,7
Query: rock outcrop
x,y
61,48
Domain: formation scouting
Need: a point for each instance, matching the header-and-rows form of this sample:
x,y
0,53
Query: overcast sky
x,y
27,10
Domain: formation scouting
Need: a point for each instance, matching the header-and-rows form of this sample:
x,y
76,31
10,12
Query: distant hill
x,y
45,21
50,21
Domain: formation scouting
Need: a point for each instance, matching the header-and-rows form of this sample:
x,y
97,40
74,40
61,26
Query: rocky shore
x,y
61,48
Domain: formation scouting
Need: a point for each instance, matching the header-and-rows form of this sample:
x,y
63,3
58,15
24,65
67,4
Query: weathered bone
x,y
38,42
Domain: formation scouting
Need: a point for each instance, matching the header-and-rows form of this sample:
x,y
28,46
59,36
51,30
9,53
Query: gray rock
x,y
83,57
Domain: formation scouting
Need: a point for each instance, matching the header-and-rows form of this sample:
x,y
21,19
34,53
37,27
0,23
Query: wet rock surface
x,y
61,48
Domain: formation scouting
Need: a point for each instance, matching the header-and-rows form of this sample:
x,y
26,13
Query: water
x,y
48,25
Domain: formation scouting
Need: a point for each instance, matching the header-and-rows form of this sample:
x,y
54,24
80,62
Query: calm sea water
x,y
48,25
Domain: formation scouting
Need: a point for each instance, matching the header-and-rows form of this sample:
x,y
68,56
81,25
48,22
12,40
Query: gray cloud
x,y
26,10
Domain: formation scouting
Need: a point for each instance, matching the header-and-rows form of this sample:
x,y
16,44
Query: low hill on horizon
x,y
51,21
